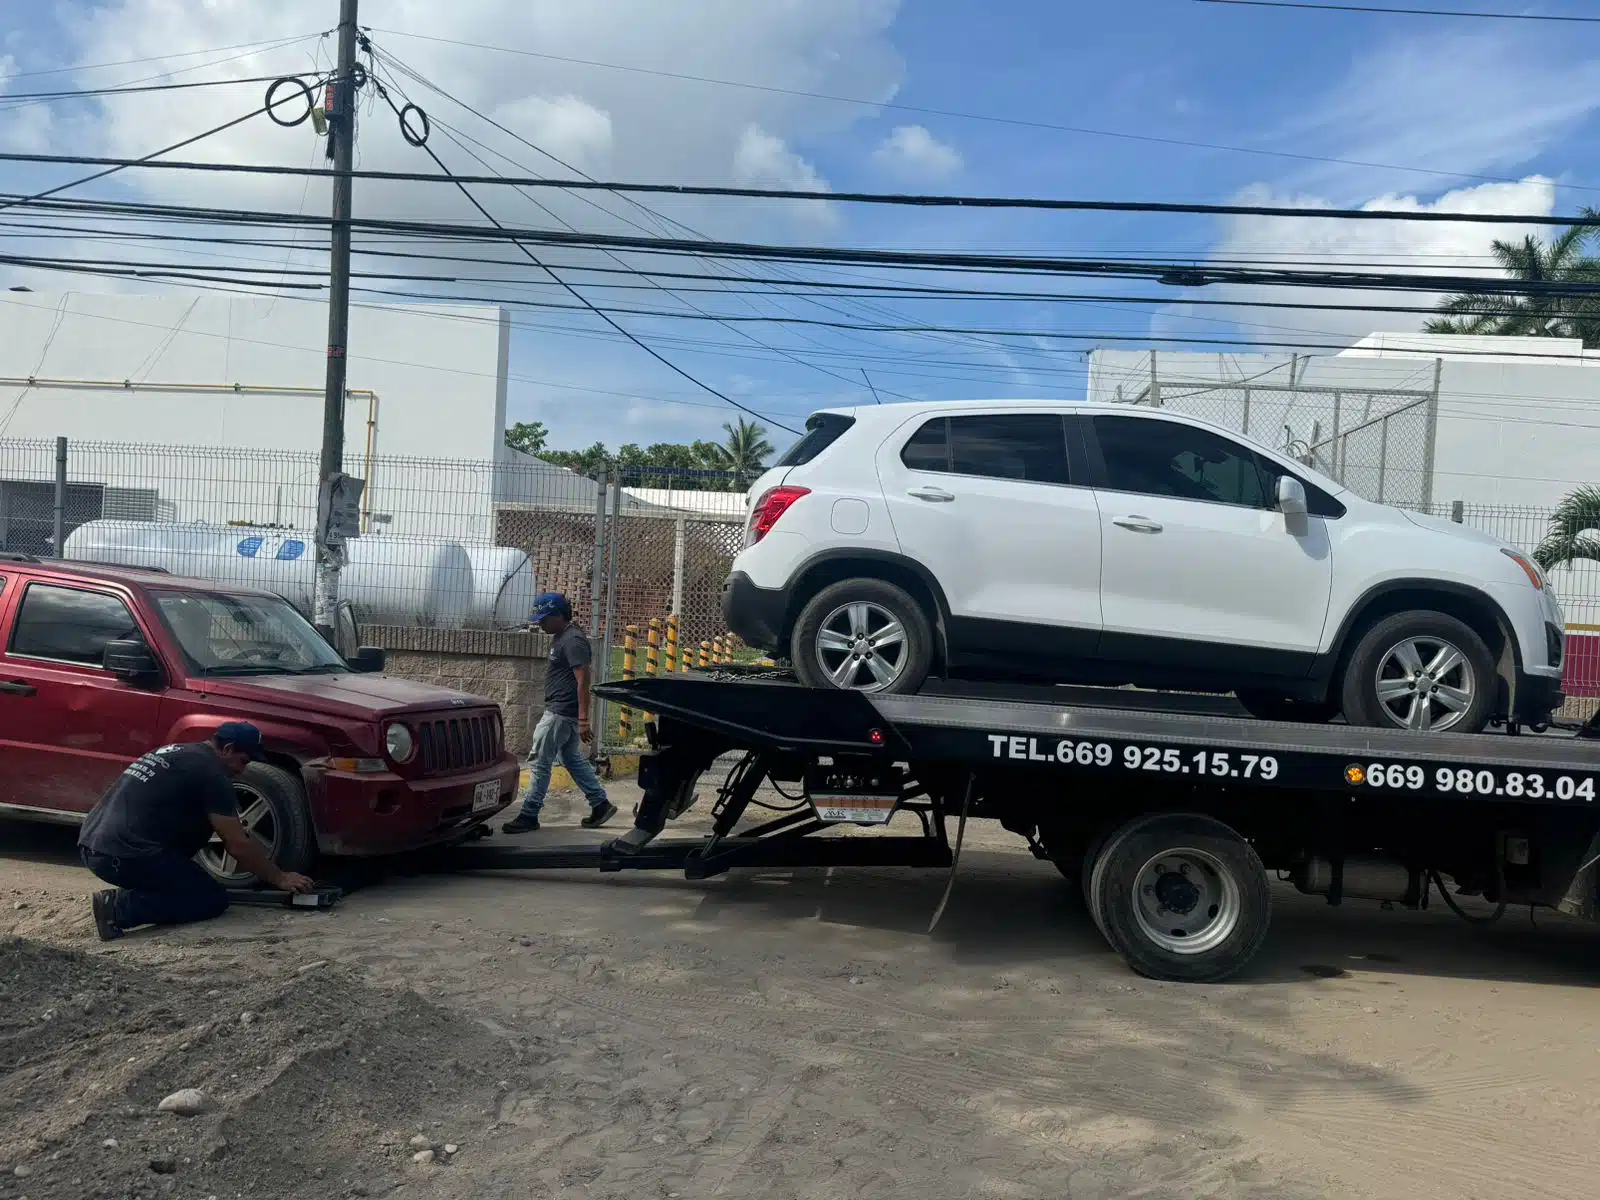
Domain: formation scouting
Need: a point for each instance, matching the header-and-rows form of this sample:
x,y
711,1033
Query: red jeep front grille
x,y
464,743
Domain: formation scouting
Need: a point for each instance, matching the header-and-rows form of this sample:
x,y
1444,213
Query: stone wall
x,y
507,668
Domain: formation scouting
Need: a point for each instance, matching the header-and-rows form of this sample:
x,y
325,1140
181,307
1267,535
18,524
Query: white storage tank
x,y
389,580
503,587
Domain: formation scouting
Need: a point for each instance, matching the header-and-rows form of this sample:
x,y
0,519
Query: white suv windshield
x,y
245,635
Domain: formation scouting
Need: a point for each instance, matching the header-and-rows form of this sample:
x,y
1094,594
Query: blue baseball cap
x,y
549,604
241,736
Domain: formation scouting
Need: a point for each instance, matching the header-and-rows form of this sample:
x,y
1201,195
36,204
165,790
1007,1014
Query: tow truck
x,y
1171,822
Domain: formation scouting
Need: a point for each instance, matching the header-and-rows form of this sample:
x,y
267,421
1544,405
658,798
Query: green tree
x,y
744,453
1562,261
527,436
1574,531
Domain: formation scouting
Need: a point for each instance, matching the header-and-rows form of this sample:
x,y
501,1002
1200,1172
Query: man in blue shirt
x,y
564,727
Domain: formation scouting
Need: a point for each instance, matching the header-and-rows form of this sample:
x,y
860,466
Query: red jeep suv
x,y
100,664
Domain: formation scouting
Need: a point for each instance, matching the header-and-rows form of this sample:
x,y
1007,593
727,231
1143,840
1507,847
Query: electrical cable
x,y
897,199
666,362
265,44
1403,12
267,107
8,99
1469,918
923,110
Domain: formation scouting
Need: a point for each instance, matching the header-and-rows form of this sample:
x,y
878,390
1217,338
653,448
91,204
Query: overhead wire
x,y
657,355
895,199
1405,12
994,118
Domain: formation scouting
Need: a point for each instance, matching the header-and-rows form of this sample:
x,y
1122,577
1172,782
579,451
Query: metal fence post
x,y
1383,455
1458,511
60,516
677,566
1431,435
596,576
607,639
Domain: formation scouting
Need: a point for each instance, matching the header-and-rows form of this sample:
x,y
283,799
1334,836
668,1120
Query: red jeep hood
x,y
379,695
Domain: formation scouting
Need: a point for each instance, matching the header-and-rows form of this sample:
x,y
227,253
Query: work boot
x,y
105,916
521,823
599,816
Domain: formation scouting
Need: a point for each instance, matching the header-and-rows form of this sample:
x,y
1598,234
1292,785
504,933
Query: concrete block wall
x,y
507,668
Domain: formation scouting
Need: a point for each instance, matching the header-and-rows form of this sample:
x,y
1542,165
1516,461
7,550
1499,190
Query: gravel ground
x,y
777,1035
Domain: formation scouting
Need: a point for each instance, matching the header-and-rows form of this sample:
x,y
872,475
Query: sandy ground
x,y
790,1034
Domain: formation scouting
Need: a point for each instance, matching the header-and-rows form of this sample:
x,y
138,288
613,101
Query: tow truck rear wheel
x,y
1181,897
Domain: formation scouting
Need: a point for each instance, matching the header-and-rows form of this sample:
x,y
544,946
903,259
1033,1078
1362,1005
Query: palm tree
x,y
1574,531
744,453
1532,261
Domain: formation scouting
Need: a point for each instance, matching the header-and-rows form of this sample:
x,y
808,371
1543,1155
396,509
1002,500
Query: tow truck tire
x,y
910,657
1182,897
1093,860
272,803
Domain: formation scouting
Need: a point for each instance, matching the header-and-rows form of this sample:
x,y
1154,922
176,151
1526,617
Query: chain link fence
x,y
456,543
1378,442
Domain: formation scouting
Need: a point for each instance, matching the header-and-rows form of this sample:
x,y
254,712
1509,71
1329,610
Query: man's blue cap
x,y
549,604
241,736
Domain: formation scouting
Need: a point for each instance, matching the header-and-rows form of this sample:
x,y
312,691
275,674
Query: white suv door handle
x,y
1138,524
932,494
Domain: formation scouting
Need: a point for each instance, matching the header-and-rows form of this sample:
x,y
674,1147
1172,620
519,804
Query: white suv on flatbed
x,y
1093,544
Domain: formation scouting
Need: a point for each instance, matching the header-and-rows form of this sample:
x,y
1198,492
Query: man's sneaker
x,y
521,823
105,916
599,816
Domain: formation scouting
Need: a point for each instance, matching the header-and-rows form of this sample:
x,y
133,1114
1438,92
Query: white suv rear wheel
x,y
863,635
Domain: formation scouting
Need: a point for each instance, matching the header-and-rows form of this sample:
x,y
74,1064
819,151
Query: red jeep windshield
x,y
245,635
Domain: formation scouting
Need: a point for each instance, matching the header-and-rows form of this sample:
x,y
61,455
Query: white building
x,y
1484,420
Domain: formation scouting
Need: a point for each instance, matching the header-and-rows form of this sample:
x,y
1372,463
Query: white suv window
x,y
1164,458
1030,447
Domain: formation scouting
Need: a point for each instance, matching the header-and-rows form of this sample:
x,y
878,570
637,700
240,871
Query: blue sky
x,y
1468,100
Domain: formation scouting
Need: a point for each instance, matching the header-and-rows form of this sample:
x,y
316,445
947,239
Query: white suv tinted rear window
x,y
1030,447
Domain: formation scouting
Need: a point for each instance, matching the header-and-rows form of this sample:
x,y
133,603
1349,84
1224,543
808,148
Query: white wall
x,y
1510,431
439,374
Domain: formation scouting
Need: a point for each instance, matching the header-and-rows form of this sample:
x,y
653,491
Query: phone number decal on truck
x,y
1468,781
1218,764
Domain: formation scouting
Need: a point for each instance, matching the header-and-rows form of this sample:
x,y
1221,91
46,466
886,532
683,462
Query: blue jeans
x,y
158,889
556,737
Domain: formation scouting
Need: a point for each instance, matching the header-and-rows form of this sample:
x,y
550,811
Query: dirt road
x,y
791,1034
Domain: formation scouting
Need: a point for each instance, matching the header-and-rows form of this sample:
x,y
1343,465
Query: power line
x,y
270,43
898,199
7,99
648,349
1020,122
1404,12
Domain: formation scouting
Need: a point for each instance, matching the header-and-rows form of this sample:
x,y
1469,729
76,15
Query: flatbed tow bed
x,y
1169,821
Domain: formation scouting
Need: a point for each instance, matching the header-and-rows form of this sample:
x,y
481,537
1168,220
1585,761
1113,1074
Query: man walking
x,y
143,834
564,727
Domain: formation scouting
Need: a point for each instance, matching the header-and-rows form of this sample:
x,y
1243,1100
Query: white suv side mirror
x,y
1291,496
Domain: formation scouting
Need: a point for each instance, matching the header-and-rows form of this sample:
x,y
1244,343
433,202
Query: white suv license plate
x,y
486,795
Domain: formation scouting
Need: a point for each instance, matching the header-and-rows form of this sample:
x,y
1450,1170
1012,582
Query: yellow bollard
x,y
630,644
716,651
652,657
705,655
672,645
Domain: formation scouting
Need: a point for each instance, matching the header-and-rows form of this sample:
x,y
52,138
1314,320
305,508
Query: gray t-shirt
x,y
569,650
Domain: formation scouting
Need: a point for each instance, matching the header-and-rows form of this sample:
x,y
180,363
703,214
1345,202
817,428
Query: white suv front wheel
x,y
1425,671
862,635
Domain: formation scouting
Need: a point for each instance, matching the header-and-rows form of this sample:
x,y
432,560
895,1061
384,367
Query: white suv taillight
x,y
774,502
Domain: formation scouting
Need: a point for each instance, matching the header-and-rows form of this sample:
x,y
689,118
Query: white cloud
x,y
912,150
569,127
1393,247
765,160
1473,102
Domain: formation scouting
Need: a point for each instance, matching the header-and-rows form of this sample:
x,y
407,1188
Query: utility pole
x,y
341,111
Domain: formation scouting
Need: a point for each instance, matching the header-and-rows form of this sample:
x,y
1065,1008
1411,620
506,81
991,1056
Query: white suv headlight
x,y
1529,567
397,740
